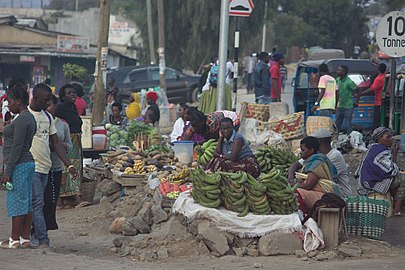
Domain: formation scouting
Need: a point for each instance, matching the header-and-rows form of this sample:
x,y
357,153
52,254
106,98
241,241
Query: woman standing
x,y
134,108
19,167
51,196
67,111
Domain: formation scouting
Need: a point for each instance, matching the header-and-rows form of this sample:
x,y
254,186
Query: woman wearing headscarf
x,y
67,111
378,172
134,108
321,175
196,130
152,114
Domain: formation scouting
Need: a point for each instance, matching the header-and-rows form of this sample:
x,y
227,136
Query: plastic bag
x,y
270,137
248,129
313,238
356,141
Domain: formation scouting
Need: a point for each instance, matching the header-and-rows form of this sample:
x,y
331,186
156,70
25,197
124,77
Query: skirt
x,y
70,186
208,99
247,164
19,199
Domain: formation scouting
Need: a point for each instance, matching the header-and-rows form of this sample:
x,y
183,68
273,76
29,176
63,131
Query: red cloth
x,y
80,105
276,74
377,87
152,95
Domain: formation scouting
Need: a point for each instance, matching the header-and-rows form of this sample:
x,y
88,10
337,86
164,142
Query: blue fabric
x,y
315,160
19,199
39,182
227,146
262,81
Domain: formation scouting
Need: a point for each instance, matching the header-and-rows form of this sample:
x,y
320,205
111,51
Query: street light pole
x,y
150,32
222,53
264,27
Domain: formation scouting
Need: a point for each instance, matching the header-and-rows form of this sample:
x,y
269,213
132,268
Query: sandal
x,y
25,243
10,243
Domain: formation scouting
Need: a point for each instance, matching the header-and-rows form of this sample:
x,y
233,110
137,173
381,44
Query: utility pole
x,y
150,32
236,65
77,6
222,53
264,27
161,50
99,93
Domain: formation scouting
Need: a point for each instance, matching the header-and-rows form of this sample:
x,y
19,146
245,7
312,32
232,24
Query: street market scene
x,y
231,134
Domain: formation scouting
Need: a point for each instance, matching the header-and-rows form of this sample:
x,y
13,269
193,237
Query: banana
x,y
244,212
209,187
211,196
214,192
240,202
213,204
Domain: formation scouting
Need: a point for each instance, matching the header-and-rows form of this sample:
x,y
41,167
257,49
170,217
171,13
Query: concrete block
x,y
328,222
279,244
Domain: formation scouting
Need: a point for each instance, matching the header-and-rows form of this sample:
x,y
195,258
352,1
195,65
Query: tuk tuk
x,y
306,87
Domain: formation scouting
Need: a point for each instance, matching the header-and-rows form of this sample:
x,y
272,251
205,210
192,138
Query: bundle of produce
x,y
256,197
205,152
279,192
172,190
139,167
141,136
116,135
233,192
270,157
206,189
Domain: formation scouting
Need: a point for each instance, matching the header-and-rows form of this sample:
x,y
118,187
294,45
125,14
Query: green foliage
x,y
74,72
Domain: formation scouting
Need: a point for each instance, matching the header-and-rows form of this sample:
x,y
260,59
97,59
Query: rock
x,y
113,197
116,226
215,240
159,215
252,251
312,254
203,249
231,237
157,197
125,251
129,230
349,250
110,188
240,252
148,256
103,183
105,206
117,241
279,243
304,259
300,253
325,256
245,242
162,253
139,224
146,213
257,265
193,228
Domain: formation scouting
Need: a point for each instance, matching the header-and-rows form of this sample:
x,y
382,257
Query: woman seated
x,y
115,118
152,114
196,130
233,153
134,108
378,172
321,175
180,123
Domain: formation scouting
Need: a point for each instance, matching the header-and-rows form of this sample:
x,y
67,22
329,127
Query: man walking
x,y
327,92
276,79
345,96
261,77
45,138
377,87
250,63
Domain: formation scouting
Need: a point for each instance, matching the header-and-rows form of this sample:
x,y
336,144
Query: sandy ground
x,y
83,242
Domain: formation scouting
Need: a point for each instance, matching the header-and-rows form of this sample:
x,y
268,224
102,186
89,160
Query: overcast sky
x,y
23,3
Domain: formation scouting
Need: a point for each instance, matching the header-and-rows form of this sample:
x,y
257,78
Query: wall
x,y
16,36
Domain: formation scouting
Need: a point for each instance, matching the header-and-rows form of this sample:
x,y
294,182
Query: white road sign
x,y
241,8
391,34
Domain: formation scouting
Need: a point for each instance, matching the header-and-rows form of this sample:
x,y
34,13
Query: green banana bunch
x,y
206,188
269,157
205,152
256,197
280,193
233,196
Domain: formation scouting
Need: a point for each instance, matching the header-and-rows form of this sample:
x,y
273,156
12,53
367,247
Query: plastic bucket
x,y
99,130
184,151
99,141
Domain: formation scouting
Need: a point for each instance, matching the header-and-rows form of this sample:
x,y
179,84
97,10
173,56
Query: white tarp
x,y
248,226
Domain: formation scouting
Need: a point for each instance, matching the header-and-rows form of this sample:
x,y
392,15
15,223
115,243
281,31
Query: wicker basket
x,y
290,127
260,112
88,190
366,216
317,122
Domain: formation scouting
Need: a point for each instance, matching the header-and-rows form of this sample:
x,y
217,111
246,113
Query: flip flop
x,y
10,243
83,204
397,214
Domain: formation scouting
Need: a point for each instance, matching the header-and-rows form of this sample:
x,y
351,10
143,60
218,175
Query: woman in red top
x,y
80,102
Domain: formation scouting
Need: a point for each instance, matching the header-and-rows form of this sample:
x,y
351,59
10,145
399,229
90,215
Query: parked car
x,y
306,86
180,88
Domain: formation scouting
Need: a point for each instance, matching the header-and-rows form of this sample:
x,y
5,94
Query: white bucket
x,y
184,151
99,141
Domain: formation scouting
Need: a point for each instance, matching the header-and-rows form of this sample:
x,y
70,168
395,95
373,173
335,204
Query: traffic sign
x,y
390,34
241,8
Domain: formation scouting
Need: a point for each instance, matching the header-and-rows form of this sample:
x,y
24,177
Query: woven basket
x,y
260,112
366,216
88,190
317,122
290,127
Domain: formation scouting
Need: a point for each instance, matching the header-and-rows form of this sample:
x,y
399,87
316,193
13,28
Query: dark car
x,y
180,88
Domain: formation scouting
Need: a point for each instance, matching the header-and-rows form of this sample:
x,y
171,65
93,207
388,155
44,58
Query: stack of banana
x,y
139,167
205,152
181,177
206,189
270,157
256,197
279,192
151,168
233,192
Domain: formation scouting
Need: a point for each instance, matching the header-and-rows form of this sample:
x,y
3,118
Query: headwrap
x,y
277,56
152,95
214,120
379,132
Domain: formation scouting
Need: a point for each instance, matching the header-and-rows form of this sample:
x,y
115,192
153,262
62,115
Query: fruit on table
x,y
205,152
